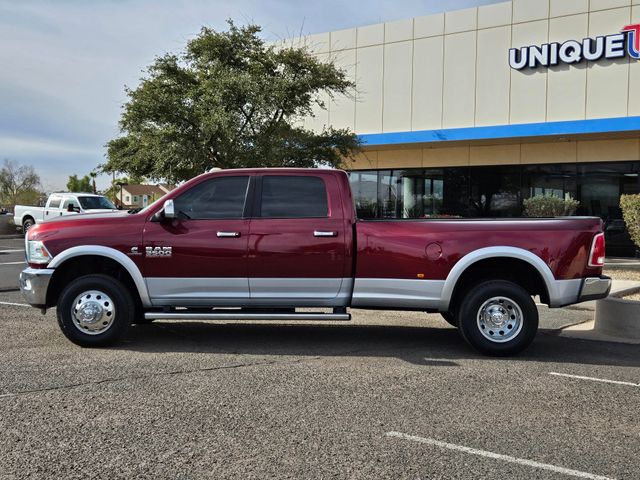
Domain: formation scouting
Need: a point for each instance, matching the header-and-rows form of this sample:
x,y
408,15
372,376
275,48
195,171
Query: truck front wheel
x,y
95,310
27,224
498,318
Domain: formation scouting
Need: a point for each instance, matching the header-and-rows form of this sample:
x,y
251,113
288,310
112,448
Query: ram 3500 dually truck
x,y
258,244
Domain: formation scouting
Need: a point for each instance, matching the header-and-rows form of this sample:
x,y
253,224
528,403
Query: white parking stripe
x,y
496,456
15,304
12,263
12,251
593,379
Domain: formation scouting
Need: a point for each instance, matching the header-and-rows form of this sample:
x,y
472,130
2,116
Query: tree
x,y
229,100
93,176
18,184
76,184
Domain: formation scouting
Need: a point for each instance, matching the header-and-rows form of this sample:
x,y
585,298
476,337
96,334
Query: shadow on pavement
x,y
416,345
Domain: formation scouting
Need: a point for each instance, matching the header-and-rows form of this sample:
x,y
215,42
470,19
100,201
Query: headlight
x,y
37,253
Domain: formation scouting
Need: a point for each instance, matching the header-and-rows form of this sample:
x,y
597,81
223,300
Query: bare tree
x,y
18,183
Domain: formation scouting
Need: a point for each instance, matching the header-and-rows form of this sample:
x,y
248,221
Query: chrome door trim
x,y
321,233
228,234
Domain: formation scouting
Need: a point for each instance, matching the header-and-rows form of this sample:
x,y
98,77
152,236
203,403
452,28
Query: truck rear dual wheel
x,y
95,310
498,318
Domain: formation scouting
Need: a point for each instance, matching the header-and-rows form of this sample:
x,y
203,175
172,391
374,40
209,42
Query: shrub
x,y
549,206
630,205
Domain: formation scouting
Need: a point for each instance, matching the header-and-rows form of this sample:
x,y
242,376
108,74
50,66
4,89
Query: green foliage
x,y
76,184
19,184
549,206
229,100
630,205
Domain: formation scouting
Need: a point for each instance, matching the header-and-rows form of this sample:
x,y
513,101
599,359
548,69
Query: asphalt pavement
x,y
11,261
389,395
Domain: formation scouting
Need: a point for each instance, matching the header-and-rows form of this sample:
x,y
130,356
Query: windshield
x,y
94,203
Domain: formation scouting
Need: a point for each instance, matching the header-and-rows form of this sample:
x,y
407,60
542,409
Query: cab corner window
x,y
293,197
217,198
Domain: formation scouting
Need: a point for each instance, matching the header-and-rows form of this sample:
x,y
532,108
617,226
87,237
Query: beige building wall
x,y
569,151
451,69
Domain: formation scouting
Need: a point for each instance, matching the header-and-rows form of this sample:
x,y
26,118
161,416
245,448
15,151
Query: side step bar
x,y
246,316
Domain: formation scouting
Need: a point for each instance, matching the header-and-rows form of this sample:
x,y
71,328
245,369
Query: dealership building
x,y
469,112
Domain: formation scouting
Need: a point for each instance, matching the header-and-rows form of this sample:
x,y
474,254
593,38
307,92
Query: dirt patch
x,y
620,274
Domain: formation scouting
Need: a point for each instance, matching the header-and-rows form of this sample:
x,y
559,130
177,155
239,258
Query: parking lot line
x,y
594,379
15,304
496,456
12,263
12,251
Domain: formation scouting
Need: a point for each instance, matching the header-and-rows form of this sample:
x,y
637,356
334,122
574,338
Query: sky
x,y
64,63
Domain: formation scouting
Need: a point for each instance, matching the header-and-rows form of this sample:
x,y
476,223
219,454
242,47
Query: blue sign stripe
x,y
574,127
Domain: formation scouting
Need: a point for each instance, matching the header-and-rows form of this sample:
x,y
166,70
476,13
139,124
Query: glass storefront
x,y
498,191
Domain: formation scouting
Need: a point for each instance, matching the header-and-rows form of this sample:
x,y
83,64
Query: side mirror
x,y
70,208
169,209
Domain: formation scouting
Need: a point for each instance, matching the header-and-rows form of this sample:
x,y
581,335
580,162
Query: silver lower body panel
x,y
397,293
254,292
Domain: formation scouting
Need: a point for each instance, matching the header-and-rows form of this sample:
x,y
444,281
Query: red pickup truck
x,y
261,243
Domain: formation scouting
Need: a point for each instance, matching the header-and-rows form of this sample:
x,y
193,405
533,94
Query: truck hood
x,y
115,229
90,215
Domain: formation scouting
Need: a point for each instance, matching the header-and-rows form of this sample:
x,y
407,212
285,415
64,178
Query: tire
x,y
27,224
106,309
498,318
450,318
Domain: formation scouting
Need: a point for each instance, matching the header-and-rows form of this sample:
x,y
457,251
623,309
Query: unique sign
x,y
618,45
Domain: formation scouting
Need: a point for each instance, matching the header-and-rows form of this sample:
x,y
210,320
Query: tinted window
x,y
221,197
293,197
67,202
90,203
54,202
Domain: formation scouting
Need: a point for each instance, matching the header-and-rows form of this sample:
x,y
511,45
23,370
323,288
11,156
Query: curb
x,y
614,320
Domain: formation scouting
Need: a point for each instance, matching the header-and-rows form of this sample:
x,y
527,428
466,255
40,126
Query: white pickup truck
x,y
59,204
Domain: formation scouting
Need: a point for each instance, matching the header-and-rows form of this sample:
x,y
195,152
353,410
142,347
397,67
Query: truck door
x,y
200,258
297,240
53,210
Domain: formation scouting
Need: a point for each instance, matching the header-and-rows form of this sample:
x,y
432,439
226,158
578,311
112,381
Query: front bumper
x,y
34,284
593,288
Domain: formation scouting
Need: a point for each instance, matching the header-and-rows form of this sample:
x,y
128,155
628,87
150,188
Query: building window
x,y
135,199
498,191
127,198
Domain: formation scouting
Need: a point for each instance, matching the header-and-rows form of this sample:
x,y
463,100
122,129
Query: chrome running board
x,y
246,316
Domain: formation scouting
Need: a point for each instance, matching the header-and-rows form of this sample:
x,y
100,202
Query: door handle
x,y
228,234
321,233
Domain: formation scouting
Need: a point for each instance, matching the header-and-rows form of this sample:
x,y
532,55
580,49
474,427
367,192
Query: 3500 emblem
x,y
158,251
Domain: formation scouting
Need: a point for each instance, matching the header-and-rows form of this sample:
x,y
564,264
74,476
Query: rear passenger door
x,y
53,208
297,240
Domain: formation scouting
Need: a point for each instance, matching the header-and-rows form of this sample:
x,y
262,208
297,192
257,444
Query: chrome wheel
x,y
500,319
93,312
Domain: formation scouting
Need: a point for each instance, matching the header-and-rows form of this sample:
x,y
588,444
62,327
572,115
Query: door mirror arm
x,y
168,212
